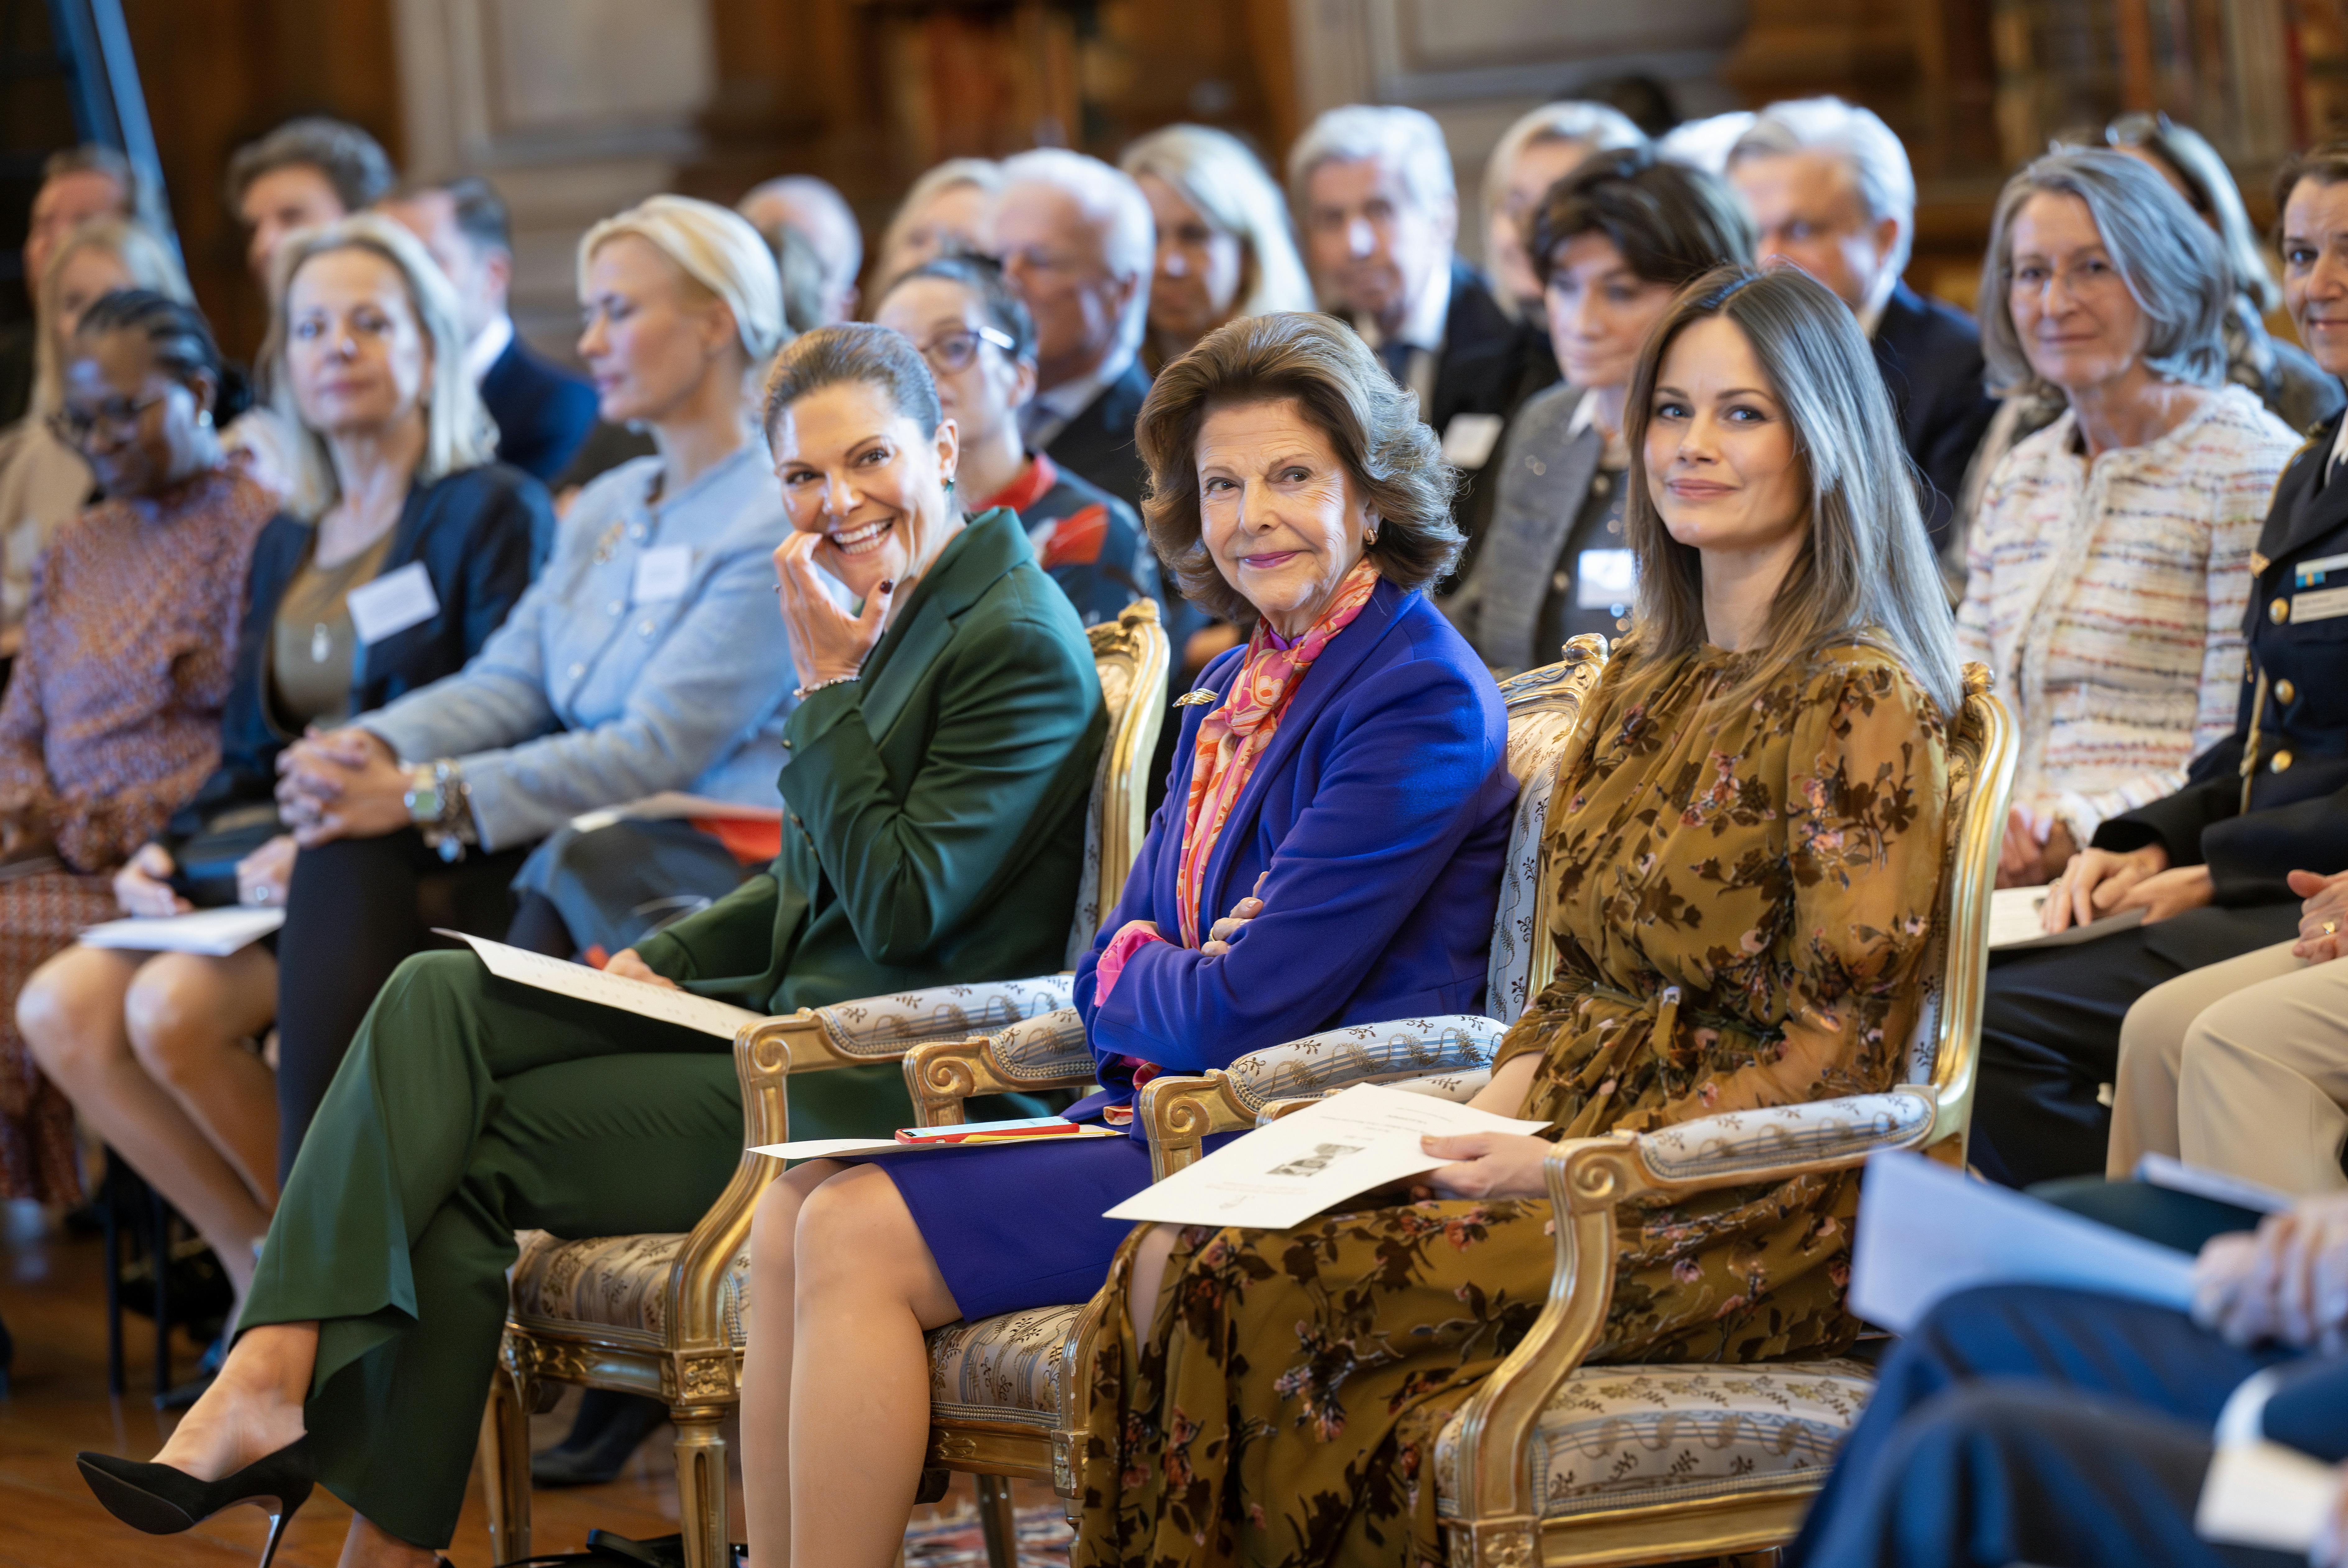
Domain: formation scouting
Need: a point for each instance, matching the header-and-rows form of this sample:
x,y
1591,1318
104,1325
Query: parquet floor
x,y
52,1298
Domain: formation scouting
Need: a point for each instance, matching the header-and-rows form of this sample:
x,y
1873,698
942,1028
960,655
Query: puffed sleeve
x,y
1866,796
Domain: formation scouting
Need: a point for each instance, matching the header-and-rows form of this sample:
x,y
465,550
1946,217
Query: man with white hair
x,y
1374,195
1831,192
820,215
1077,242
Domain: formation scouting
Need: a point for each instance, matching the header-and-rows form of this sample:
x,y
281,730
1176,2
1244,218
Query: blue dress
x,y
1381,811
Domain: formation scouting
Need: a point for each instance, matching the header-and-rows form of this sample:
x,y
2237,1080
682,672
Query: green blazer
x,y
935,806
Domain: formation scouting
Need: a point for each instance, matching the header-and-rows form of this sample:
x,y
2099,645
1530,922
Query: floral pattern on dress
x,y
1740,901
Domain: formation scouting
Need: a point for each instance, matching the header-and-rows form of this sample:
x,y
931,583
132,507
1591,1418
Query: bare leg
x,y
766,1362
189,1018
866,1290
71,1013
254,1406
1149,1256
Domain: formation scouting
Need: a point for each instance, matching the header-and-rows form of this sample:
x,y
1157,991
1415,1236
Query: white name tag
x,y
2309,573
393,602
662,574
1606,579
1469,440
2323,604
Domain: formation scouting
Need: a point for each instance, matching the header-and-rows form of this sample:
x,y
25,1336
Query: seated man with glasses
x,y
979,343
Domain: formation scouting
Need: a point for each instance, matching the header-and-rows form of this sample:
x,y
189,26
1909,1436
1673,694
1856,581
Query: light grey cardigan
x,y
625,669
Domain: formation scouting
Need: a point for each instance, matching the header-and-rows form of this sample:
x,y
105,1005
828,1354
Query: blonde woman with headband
x,y
1225,248
950,209
1531,156
44,482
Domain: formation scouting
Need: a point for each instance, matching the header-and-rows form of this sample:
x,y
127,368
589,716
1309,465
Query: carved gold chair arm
x,y
1047,1051
1177,1114
1588,1180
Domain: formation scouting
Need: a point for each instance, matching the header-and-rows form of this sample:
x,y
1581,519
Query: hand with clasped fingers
x,y
2322,915
2102,882
341,784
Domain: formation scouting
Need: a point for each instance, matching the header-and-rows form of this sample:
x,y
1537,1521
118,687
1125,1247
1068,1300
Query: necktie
x,y
1395,354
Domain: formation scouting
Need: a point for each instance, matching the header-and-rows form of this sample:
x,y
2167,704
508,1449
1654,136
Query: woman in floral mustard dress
x,y
1744,865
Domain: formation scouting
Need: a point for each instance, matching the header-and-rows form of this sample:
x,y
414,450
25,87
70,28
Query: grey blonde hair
x,y
458,433
978,173
2168,258
1878,162
1864,573
1323,366
143,255
1214,172
717,248
1407,138
1601,128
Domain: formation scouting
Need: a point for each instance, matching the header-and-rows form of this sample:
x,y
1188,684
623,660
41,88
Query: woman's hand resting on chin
x,y
827,643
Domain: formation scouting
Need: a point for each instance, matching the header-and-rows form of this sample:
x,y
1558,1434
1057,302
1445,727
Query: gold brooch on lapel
x,y
2259,564
1198,699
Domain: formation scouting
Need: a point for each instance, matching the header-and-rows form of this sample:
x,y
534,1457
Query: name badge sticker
x,y
2323,604
2311,573
1468,439
662,574
392,603
1607,578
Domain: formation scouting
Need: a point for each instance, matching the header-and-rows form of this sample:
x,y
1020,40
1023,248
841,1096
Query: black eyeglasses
x,y
956,351
118,417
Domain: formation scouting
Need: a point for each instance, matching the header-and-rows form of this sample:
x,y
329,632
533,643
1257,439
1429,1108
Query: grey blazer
x,y
1544,478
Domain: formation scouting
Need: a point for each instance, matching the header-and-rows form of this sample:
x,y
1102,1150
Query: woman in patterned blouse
x,y
1743,863
2106,575
113,711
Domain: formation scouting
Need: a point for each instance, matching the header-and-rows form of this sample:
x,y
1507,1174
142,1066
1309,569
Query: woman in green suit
x,y
941,755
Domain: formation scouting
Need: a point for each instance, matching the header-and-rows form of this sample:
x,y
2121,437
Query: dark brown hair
x,y
1337,384
1671,223
856,351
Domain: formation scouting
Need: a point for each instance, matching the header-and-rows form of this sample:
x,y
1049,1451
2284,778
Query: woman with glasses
x,y
44,482
423,553
112,714
980,343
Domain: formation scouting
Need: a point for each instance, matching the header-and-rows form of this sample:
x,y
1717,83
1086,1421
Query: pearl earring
x,y
203,419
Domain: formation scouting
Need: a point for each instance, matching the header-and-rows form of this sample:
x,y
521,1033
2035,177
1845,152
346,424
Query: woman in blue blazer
x,y
1339,787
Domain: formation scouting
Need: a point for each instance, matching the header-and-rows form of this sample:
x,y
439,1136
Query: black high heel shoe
x,y
163,1501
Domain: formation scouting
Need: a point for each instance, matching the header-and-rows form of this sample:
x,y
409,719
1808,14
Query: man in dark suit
x,y
1374,192
542,411
1831,192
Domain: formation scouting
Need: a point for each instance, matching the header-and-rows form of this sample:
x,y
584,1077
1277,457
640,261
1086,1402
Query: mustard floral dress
x,y
1740,900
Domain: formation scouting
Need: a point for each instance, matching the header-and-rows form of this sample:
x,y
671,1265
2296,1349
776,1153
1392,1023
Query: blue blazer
x,y
1381,809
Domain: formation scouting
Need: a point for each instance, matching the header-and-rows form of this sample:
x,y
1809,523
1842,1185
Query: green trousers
x,y
470,1108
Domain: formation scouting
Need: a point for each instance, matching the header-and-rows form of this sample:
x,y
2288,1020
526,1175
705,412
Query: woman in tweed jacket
x,y
2107,576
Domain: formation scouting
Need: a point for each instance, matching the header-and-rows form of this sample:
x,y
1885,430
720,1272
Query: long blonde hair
x,y
458,433
1214,172
145,257
1864,573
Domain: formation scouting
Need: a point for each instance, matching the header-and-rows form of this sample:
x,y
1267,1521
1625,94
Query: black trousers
x,y
355,908
2027,1424
2051,1035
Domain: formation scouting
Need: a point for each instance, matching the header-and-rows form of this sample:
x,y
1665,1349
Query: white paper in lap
x,y
216,933
2264,1494
1926,1231
1339,1148
639,996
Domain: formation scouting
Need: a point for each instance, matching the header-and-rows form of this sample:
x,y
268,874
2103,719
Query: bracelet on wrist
x,y
805,691
440,803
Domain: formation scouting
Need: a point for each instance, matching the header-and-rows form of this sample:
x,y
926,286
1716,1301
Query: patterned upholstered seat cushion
x,y
1004,1369
885,1027
1365,1053
618,1283
1627,1437
1543,706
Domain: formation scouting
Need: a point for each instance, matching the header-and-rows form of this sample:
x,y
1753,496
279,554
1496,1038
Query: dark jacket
x,y
935,806
1381,808
1088,540
473,530
542,411
1931,357
1489,364
2295,694
1098,443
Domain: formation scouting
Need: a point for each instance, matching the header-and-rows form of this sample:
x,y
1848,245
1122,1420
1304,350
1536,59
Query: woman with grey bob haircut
x,y
1337,383
2107,572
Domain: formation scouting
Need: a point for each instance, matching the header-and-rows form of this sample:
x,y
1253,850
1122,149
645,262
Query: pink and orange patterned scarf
x,y
1233,737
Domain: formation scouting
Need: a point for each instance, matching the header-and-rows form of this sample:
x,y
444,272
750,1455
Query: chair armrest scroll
x,y
1047,1051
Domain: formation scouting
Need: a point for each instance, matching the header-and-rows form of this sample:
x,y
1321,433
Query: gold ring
x,y
2331,927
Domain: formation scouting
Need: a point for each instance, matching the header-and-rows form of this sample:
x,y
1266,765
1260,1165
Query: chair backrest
x,y
1946,1044
1130,654
1544,705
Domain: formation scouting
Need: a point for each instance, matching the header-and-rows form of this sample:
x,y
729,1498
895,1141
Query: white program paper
x,y
216,933
1338,1148
1926,1231
2013,922
639,996
2264,1494
841,1148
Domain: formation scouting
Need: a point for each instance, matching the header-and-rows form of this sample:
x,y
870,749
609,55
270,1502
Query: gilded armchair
x,y
663,1316
1004,1389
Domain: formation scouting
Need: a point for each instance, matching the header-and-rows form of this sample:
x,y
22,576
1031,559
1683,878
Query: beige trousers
x,y
2242,1067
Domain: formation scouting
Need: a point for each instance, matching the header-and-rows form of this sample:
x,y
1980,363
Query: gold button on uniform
x,y
2280,763
2278,611
2285,690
